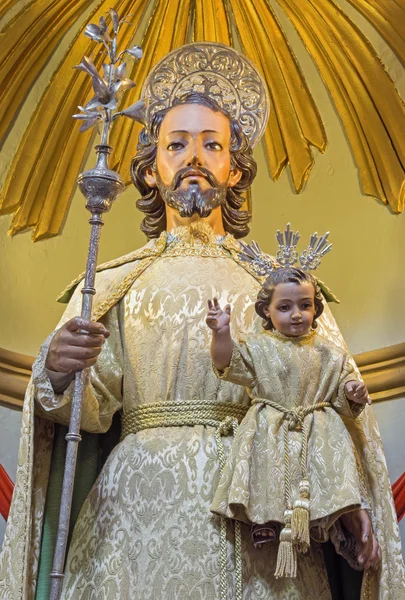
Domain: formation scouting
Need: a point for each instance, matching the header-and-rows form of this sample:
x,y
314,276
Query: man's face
x,y
193,162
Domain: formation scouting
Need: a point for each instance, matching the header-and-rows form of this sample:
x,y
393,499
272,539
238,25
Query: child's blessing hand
x,y
217,318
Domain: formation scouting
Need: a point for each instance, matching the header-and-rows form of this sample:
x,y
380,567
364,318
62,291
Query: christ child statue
x,y
292,464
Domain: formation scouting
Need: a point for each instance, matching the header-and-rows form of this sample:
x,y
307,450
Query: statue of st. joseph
x,y
145,530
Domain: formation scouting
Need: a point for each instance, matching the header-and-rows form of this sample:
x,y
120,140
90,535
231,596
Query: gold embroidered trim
x,y
298,339
184,249
224,373
126,283
198,239
151,249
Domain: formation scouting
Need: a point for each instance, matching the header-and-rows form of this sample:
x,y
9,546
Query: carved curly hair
x,y
235,220
286,275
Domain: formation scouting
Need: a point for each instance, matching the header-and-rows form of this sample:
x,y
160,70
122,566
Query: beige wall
x,y
365,268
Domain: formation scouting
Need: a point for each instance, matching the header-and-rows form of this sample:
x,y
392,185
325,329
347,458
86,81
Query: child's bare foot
x,y
268,532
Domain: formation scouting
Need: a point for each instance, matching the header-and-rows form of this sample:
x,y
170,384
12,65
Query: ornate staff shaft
x,y
100,186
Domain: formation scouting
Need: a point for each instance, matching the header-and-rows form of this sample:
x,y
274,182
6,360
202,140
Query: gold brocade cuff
x,y
46,397
224,373
354,408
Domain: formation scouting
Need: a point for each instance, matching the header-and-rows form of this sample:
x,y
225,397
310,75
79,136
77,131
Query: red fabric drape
x,y
398,490
6,492
7,487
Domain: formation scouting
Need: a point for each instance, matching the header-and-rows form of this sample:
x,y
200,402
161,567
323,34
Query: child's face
x,y
292,308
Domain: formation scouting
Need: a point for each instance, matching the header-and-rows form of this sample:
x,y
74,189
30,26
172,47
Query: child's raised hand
x,y
217,318
357,392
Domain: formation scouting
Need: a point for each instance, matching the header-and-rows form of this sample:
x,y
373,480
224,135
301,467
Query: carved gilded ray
x,y
125,133
6,5
48,164
42,174
296,122
211,22
156,43
388,17
364,95
27,43
67,169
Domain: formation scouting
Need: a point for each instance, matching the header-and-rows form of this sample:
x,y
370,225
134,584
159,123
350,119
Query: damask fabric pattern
x,y
146,530
292,372
146,527
167,300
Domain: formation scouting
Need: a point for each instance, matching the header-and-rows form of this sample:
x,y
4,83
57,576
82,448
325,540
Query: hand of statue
x,y
76,345
358,523
218,319
357,392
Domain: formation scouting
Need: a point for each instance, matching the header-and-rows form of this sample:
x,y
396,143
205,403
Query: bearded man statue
x,y
141,513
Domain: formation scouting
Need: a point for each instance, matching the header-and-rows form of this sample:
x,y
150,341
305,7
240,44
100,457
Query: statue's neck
x,y
214,220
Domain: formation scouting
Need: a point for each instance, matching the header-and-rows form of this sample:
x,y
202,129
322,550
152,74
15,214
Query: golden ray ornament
x,y
42,173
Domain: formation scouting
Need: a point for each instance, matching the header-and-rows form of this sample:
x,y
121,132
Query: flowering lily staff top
x,y
109,87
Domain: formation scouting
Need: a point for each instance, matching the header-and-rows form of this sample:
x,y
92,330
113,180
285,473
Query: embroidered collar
x,y
294,339
198,233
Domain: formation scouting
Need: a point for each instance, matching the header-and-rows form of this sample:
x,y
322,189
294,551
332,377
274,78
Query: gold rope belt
x,y
225,418
174,413
295,533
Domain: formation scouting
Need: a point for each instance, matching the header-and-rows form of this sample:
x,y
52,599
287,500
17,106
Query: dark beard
x,y
194,200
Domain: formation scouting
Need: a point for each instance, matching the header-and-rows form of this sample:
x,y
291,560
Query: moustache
x,y
189,172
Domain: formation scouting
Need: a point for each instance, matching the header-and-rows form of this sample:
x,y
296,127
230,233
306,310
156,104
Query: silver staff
x,y
100,186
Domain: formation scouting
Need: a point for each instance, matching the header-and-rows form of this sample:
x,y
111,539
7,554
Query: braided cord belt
x,y
225,418
293,419
173,413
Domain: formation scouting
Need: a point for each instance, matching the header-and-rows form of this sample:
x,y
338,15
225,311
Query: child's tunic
x,y
291,372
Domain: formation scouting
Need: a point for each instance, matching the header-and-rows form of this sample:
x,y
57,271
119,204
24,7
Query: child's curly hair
x,y
286,275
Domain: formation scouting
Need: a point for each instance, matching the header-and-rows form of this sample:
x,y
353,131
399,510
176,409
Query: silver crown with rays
x,y
287,255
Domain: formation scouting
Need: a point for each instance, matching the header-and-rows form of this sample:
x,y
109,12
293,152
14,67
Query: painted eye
x,y
283,308
213,146
175,146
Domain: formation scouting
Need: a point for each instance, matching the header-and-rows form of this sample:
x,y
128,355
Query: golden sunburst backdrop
x,y
44,168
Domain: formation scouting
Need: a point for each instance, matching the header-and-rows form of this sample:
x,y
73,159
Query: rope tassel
x,y
300,518
287,554
295,534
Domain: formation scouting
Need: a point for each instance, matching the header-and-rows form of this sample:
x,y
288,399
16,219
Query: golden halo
x,y
217,71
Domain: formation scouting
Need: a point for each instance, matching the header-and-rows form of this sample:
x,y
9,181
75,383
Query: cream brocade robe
x,y
146,531
292,372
